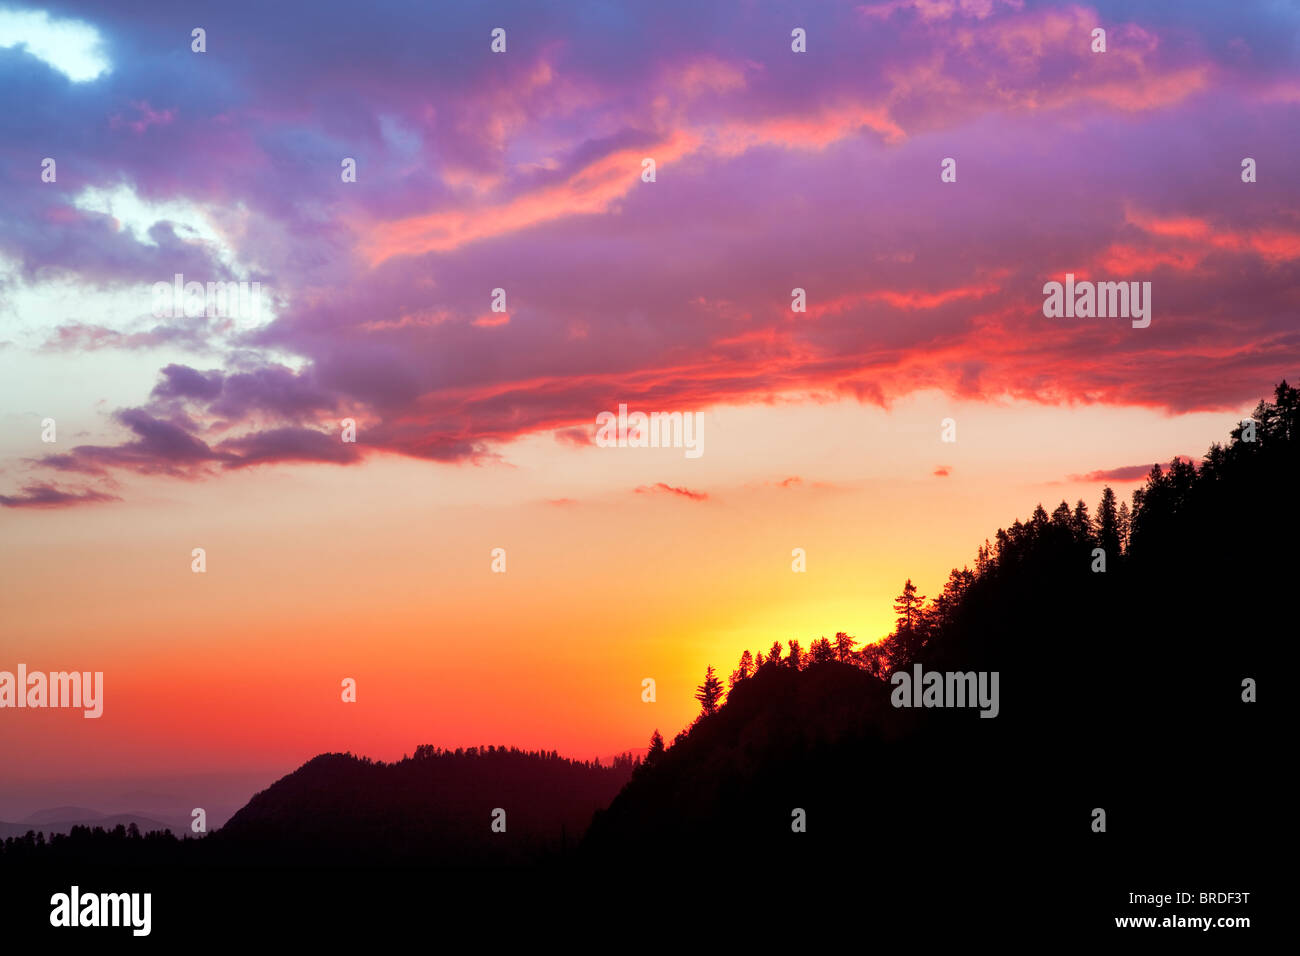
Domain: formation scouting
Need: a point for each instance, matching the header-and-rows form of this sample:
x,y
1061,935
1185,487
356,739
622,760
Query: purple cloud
x,y
775,170
43,495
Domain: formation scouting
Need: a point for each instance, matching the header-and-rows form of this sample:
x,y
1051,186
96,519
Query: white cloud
x,y
72,47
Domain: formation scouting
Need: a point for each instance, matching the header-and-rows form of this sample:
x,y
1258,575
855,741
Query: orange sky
x,y
382,573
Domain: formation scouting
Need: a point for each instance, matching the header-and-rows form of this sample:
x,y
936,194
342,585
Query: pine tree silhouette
x,y
709,694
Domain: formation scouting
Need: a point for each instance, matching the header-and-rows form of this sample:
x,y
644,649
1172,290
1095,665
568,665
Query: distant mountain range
x,y
63,819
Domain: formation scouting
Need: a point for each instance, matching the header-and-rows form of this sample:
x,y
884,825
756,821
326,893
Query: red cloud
x,y
577,437
1125,473
660,487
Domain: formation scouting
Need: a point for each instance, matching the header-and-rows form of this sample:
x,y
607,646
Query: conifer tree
x,y
656,747
743,669
1108,523
709,694
908,606
794,659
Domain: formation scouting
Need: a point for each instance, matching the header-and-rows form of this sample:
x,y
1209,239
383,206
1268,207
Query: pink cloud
x,y
147,117
1124,473
662,488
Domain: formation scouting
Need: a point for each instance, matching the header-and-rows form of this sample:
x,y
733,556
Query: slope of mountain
x,y
1129,690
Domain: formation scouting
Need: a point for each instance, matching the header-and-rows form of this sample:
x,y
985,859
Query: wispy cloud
x,y
660,487
43,495
1123,473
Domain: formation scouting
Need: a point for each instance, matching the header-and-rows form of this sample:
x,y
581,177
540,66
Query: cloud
x,y
929,10
773,170
662,488
289,444
160,447
145,117
73,47
44,495
1124,473
183,382
85,337
575,437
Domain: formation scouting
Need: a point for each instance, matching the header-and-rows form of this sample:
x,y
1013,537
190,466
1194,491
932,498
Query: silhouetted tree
x,y
911,634
821,651
656,747
844,647
1038,523
874,658
1108,523
795,658
954,590
743,669
908,606
709,694
1081,524
1149,505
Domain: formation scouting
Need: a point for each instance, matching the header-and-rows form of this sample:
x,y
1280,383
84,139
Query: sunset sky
x,y
523,171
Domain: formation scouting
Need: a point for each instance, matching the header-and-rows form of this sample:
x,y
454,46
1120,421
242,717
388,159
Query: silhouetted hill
x,y
823,739
435,808
1120,689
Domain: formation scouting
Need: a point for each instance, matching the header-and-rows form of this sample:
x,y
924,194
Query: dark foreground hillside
x,y
1121,690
